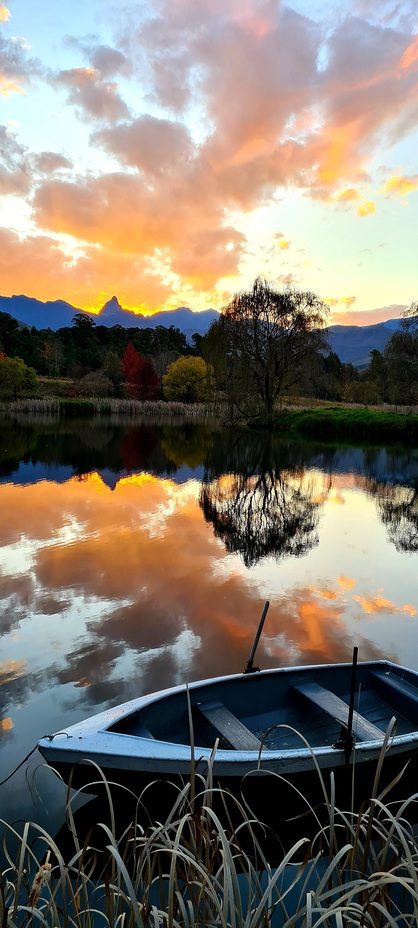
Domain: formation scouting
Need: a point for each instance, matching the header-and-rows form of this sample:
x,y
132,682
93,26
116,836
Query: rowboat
x,y
287,721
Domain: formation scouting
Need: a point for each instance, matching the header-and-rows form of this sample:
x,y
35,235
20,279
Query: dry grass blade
x,y
206,865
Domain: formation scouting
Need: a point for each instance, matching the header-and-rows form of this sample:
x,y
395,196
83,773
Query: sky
x,y
169,152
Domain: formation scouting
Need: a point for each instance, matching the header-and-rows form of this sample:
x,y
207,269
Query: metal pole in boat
x,y
349,735
249,668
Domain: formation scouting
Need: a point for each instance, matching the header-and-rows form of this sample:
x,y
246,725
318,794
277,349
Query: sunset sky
x,y
168,152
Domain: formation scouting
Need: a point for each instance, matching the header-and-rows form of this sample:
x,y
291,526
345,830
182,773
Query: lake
x,y
135,555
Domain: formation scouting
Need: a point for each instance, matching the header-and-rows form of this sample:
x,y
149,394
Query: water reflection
x,y
136,557
398,509
263,504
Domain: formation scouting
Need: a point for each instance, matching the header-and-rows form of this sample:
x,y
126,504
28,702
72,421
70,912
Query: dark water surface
x,y
137,556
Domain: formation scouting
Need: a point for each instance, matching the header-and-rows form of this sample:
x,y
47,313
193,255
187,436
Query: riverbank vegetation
x,y
210,862
345,423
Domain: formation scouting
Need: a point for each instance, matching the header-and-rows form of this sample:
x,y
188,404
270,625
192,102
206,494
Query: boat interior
x,y
283,711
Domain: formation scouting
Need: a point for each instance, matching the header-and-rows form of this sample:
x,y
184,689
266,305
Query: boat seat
x,y
338,709
228,725
399,693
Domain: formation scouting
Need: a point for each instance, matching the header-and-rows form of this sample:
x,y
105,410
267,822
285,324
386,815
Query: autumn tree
x,y
259,343
187,380
140,374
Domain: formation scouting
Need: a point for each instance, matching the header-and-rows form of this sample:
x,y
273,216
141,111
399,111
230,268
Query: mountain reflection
x,y
264,505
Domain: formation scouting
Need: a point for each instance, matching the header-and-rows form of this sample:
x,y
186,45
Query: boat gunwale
x,y
95,731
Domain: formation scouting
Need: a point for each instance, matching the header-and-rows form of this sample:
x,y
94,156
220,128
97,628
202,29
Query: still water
x,y
137,556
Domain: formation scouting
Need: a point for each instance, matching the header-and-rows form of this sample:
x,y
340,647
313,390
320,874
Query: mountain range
x,y
352,343
58,314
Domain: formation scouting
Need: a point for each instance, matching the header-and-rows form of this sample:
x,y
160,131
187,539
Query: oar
x,y
249,668
349,734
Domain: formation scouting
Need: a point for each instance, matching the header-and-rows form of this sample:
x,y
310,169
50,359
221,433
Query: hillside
x,y
353,343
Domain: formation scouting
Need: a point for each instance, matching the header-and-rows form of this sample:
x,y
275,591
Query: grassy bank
x,y
194,868
340,422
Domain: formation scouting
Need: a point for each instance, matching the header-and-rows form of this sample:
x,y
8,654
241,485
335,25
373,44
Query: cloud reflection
x,y
132,593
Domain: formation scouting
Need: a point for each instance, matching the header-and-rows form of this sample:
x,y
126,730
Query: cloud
x,y
223,125
85,277
109,61
154,146
410,55
348,300
401,185
376,605
366,208
15,174
4,13
122,214
16,69
47,162
346,195
370,316
92,95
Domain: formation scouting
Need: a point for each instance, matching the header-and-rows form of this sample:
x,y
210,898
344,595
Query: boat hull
x,y
146,739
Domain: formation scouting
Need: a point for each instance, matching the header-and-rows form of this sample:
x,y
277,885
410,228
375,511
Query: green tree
x,y
9,334
259,344
187,380
112,367
16,378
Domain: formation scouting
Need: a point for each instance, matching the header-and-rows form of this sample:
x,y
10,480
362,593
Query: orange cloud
x,y
283,244
410,55
347,195
366,208
371,316
401,185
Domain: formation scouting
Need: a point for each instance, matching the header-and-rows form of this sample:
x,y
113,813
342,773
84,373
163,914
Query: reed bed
x,y
115,409
208,863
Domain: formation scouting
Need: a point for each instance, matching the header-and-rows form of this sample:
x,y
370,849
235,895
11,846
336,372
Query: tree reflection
x,y
398,509
264,505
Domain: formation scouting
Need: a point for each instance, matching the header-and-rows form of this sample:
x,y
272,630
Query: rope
x,y
50,738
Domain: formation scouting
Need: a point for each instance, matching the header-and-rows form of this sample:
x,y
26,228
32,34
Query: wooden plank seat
x,y
228,725
338,709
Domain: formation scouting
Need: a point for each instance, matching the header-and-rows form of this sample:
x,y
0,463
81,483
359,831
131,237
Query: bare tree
x,y
260,342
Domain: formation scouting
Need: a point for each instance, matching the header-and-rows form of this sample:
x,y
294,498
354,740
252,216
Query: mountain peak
x,y
112,306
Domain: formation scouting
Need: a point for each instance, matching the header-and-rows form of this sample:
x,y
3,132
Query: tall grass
x,y
207,862
115,408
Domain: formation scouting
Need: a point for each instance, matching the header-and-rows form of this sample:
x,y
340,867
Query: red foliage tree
x,y
150,381
130,364
140,374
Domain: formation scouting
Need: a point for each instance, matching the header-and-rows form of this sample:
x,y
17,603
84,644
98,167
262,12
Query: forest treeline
x,y
249,354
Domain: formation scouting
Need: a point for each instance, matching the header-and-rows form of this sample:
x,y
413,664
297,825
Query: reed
x,y
115,408
208,863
